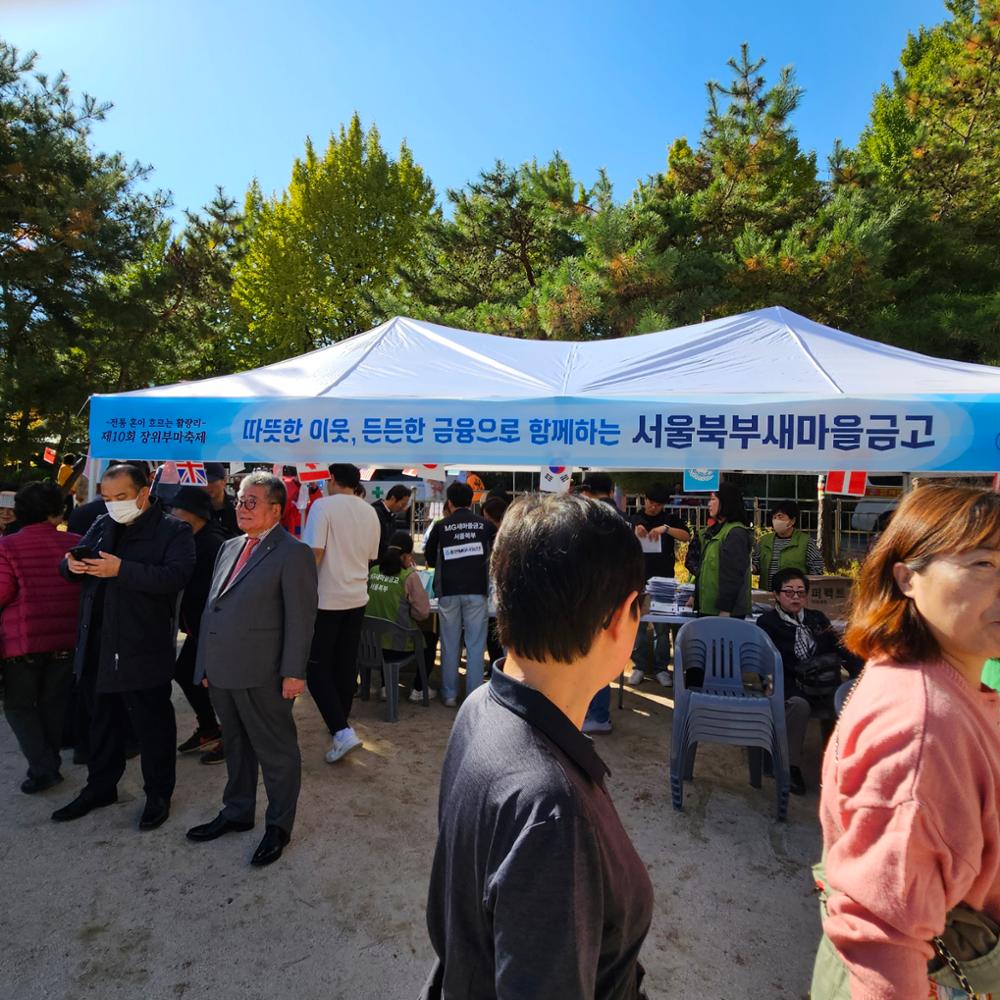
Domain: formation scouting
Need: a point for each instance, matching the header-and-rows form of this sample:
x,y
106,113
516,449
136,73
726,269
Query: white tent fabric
x,y
766,389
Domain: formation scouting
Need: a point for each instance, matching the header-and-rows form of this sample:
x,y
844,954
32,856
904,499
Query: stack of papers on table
x,y
667,596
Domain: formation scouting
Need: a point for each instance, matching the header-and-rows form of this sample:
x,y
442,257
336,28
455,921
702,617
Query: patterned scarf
x,y
805,641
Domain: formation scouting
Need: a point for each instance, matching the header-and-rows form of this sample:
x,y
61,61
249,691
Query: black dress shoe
x,y
155,814
271,846
796,783
31,785
218,826
82,805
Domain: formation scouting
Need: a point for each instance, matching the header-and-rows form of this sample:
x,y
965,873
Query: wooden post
x,y
824,524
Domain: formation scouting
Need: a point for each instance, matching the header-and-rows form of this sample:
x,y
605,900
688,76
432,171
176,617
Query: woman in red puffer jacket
x,y
38,612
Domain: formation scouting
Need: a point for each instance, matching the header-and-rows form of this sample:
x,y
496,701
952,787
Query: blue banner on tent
x,y
701,480
938,433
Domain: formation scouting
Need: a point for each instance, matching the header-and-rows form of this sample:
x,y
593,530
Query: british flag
x,y
191,474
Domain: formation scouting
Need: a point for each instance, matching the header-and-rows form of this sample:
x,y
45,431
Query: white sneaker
x,y
449,702
635,677
343,746
591,726
416,695
665,678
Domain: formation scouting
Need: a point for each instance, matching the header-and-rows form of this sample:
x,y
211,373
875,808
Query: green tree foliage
x,y
484,267
932,149
318,256
68,217
96,294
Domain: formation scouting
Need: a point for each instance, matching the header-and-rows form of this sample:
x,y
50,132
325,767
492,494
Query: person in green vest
x,y
786,547
396,594
722,582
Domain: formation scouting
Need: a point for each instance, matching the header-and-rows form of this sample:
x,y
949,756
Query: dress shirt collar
x,y
262,535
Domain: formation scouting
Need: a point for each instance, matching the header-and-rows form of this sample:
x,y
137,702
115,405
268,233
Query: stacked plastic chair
x,y
724,709
370,658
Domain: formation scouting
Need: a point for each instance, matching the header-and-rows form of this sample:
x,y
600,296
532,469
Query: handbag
x,y
967,953
818,677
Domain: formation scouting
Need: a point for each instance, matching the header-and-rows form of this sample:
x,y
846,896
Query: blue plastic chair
x,y
723,710
370,659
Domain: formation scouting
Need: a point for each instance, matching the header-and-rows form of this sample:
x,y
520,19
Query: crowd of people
x,y
534,880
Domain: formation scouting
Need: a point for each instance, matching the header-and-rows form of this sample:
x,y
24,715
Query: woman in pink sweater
x,y
37,630
910,804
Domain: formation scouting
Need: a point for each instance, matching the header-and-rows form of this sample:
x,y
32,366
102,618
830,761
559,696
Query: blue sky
x,y
219,91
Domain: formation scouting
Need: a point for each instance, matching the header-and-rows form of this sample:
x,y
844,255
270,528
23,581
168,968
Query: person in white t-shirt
x,y
343,532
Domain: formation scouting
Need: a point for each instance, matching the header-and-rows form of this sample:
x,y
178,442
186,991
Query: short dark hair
x,y
276,492
562,565
399,492
136,473
495,508
784,575
69,458
37,502
391,561
787,507
597,482
731,503
658,493
460,494
345,474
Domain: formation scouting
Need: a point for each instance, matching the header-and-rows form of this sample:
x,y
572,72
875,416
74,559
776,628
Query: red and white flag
x,y
169,474
847,483
555,479
433,473
312,472
50,456
191,474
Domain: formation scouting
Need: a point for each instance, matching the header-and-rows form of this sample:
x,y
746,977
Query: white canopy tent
x,y
762,390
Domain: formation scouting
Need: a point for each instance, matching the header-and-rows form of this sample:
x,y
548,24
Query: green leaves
x,y
319,255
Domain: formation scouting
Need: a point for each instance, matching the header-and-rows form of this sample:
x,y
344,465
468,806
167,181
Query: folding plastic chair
x,y
724,710
370,659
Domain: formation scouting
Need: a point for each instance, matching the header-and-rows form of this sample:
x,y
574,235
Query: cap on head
x,y
195,500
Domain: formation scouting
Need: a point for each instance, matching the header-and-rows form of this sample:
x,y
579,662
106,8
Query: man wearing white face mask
x,y
132,564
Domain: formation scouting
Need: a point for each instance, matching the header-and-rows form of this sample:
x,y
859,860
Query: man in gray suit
x,y
252,653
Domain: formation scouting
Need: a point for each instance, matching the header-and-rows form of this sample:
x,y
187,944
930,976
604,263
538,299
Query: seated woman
x,y
396,594
800,635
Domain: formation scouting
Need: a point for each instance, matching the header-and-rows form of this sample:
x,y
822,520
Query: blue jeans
x,y
468,612
600,707
661,649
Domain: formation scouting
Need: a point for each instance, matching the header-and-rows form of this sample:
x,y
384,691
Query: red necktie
x,y
244,558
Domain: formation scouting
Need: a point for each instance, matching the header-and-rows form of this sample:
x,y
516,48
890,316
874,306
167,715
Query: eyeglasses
x,y
793,593
248,502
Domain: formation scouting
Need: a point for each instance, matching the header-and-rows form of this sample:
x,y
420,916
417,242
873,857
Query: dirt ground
x,y
96,909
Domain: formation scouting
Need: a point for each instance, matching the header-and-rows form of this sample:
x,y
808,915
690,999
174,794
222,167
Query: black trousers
x,y
333,664
258,733
197,694
150,714
36,696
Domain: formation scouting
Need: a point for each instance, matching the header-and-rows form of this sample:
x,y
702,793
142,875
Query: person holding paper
x,y
657,531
